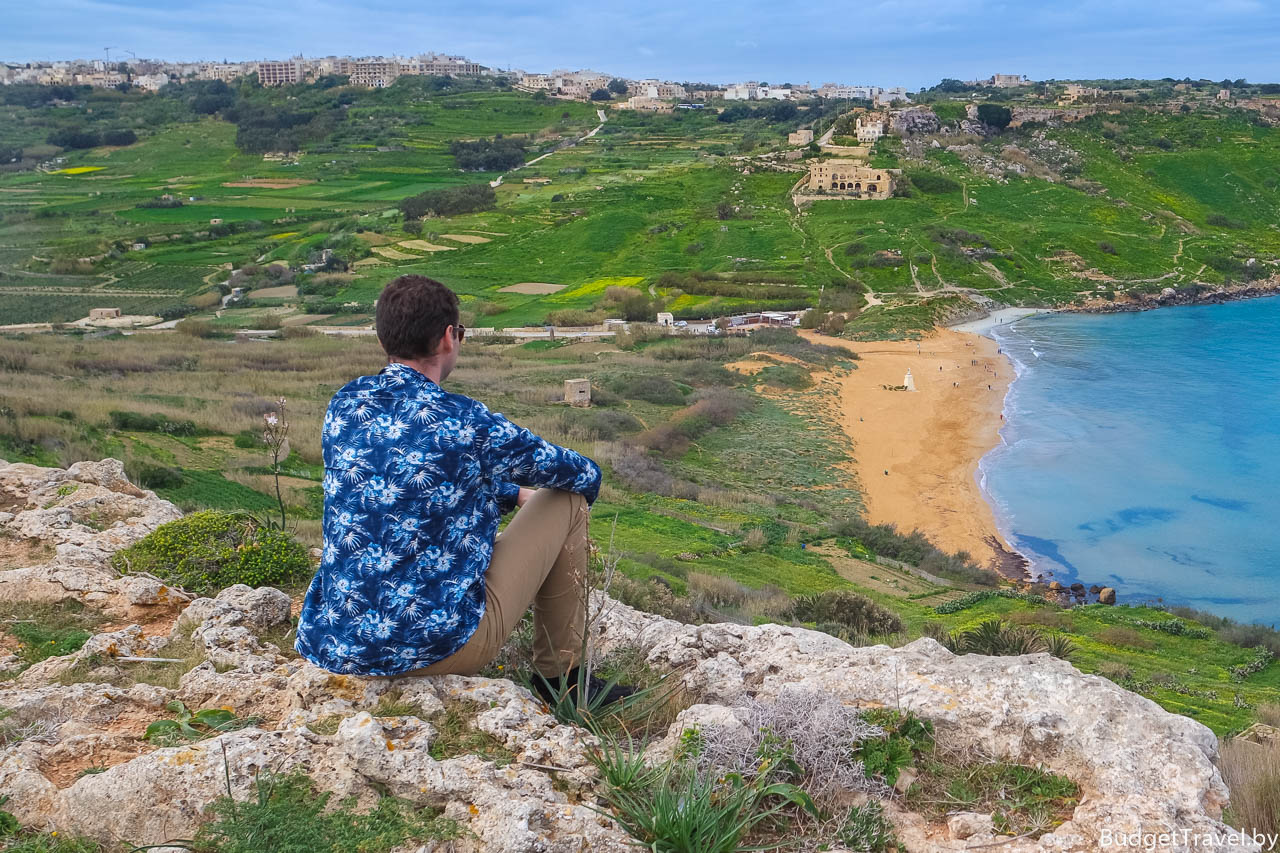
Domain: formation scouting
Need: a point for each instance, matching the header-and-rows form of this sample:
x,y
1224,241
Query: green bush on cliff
x,y
208,551
858,614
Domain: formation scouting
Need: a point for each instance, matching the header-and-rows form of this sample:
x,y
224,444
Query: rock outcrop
x,y
62,526
1139,767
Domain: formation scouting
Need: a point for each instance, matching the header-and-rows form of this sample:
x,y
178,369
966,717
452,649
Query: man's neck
x,y
428,367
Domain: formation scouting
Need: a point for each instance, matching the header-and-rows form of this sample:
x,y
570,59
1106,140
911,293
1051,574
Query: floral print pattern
x,y
416,479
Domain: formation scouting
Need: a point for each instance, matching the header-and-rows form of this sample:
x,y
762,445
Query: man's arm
x,y
514,456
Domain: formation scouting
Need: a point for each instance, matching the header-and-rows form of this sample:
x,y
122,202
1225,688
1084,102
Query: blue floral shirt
x,y
415,482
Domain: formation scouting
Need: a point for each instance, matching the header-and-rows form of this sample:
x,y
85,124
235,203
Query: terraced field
x,y
1133,201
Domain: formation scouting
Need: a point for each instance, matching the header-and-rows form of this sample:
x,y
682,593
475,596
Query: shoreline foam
x,y
930,441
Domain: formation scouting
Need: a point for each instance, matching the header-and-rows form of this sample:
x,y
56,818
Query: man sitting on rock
x,y
413,579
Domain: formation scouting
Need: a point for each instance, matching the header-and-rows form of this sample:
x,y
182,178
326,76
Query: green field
x,y
1130,201
735,517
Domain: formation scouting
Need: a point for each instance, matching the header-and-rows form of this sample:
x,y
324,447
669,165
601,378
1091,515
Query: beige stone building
x,y
1075,92
280,73
849,177
577,392
800,137
868,131
374,73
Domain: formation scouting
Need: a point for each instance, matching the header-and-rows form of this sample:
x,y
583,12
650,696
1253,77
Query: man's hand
x,y
523,497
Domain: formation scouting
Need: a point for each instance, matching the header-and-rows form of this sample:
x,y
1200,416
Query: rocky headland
x,y
1138,767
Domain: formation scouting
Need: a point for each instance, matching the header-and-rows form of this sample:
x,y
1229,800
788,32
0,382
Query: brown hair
x,y
412,315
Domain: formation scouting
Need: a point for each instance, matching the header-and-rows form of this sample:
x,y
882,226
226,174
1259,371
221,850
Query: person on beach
x,y
414,578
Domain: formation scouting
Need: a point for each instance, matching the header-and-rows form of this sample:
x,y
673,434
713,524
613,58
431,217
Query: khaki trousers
x,y
539,558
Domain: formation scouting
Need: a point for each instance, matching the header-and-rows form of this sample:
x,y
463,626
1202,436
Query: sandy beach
x,y
929,442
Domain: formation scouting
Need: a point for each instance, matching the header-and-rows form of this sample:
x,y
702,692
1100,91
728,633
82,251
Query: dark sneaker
x,y
597,694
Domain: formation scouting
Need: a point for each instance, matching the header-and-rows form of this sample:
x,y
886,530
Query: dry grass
x,y
1269,714
209,382
723,597
1252,772
1126,637
1046,617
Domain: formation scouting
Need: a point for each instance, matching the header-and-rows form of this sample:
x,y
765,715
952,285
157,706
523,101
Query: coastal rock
x,y
1055,586
1106,595
79,517
1140,767
1196,294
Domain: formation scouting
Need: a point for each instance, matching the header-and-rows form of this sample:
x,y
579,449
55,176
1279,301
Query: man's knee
x,y
554,497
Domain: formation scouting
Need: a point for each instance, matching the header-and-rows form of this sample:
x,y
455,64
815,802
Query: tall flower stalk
x,y
275,434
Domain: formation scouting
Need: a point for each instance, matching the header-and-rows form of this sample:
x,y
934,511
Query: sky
x,y
912,43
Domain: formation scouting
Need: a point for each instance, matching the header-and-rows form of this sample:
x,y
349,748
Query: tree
x,y
618,87
783,111
995,115
71,138
119,137
601,95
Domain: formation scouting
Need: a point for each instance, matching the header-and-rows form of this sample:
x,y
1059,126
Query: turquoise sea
x,y
1142,451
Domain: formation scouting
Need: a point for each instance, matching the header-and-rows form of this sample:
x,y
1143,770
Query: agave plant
x,y
995,637
1060,646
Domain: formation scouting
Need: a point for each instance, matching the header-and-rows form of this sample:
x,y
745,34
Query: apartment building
x,y
271,73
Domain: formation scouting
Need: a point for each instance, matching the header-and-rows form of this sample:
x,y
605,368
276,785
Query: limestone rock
x,y
962,825
1262,734
1031,709
918,120
258,609
1106,595
85,513
1139,768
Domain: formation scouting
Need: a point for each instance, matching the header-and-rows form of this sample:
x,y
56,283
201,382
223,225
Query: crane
x,y
107,51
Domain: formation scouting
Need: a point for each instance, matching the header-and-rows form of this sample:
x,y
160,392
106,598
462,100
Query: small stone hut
x,y
577,392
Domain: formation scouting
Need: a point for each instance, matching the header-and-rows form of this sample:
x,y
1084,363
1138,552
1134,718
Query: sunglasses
x,y
459,332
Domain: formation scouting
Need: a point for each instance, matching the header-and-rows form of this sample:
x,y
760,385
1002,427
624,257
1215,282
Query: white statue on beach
x,y
909,383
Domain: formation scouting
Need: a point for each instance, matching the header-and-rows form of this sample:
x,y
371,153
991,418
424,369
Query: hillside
x,y
1135,198
727,496
167,716
730,509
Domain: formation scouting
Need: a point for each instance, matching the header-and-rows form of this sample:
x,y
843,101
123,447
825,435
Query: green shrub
x,y
933,183
138,422
208,551
651,389
158,477
247,440
860,615
865,827
785,376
